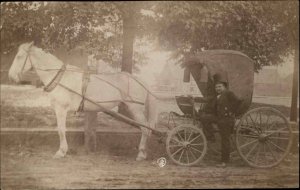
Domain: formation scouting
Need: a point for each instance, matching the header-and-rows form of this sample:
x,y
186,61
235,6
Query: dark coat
x,y
227,105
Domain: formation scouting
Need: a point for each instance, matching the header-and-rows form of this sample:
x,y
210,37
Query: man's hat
x,y
220,77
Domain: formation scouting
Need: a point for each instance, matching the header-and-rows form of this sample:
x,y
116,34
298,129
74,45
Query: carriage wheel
x,y
263,137
186,145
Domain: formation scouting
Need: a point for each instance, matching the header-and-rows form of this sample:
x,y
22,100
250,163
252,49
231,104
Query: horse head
x,y
21,62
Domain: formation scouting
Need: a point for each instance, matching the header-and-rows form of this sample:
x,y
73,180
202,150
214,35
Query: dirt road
x,y
34,168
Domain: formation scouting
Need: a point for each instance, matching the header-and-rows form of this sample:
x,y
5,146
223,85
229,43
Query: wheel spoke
x,y
176,140
272,125
276,146
181,155
249,136
256,117
271,152
178,133
197,144
174,145
277,131
248,154
189,137
177,151
250,129
187,156
244,145
256,155
193,154
260,119
264,149
195,138
251,120
184,135
254,122
196,149
281,138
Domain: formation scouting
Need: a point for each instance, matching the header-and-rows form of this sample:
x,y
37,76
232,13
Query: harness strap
x,y
54,82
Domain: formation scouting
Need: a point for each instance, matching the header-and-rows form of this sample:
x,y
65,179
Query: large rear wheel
x,y
263,137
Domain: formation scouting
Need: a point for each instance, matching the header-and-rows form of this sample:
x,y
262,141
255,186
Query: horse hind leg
x,y
61,115
137,113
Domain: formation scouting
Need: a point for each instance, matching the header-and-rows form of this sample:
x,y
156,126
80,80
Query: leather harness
x,y
54,82
85,80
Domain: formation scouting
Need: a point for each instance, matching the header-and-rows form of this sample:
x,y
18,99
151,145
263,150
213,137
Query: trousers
x,y
225,126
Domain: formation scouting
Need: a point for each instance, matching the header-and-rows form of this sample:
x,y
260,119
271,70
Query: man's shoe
x,y
222,165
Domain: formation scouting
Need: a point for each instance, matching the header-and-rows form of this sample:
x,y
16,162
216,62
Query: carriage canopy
x,y
238,67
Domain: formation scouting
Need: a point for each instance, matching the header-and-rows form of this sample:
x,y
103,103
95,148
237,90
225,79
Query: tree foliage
x,y
263,30
95,27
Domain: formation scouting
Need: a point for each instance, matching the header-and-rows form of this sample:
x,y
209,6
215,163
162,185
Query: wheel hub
x,y
186,145
262,137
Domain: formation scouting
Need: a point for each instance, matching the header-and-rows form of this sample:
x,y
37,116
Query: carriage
x,y
262,136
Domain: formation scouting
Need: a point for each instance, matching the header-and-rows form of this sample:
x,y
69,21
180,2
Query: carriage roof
x,y
238,67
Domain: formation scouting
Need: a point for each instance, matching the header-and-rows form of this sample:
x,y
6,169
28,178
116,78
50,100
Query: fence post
x,y
90,136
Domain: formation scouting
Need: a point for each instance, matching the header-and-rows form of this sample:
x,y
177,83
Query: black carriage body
x,y
238,67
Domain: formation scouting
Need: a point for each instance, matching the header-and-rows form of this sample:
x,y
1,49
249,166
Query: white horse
x,y
64,84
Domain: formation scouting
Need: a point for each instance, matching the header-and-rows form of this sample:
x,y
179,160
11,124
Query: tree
x,y
259,29
96,27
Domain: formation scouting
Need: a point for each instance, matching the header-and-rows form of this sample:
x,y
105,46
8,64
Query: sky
x,y
156,62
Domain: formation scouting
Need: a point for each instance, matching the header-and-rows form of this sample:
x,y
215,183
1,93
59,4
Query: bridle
x,y
53,83
27,57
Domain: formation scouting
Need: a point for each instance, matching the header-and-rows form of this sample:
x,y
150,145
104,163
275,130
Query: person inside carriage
x,y
221,109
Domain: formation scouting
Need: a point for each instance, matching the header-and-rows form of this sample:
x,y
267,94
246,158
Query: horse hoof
x,y
141,156
59,154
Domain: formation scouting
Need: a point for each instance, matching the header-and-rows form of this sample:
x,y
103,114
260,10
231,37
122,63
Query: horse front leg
x,y
140,117
142,155
61,116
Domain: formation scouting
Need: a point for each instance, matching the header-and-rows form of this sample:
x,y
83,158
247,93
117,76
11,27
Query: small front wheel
x,y
186,145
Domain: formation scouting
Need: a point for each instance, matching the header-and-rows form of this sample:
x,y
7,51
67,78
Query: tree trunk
x,y
128,40
294,104
127,56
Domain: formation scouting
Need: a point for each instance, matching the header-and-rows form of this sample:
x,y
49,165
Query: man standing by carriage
x,y
221,109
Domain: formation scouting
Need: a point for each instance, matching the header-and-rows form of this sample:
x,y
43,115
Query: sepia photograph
x,y
149,94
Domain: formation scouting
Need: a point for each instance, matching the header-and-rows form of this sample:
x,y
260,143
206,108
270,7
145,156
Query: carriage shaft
x,y
117,115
